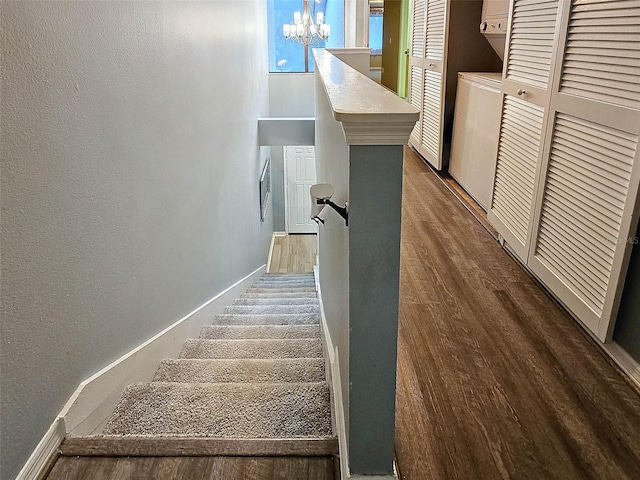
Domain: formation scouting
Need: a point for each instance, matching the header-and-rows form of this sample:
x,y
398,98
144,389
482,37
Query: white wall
x,y
290,95
129,184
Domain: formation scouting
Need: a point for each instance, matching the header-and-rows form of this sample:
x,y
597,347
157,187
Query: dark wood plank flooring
x,y
494,379
193,468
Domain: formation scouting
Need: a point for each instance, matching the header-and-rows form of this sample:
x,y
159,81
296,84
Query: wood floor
x,y
193,468
293,254
494,380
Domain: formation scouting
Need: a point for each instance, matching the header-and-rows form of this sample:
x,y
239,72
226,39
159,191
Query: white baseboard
x,y
45,450
335,386
273,241
625,361
95,398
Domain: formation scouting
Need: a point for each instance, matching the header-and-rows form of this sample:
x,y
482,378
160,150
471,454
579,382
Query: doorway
x,y
300,175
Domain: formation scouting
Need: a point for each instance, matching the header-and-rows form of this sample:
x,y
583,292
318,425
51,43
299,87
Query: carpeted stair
x,y
257,372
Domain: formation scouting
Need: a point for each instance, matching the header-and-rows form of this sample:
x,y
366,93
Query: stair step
x,y
267,319
276,301
241,370
284,283
283,278
287,275
259,331
184,446
252,348
280,286
249,410
271,309
281,290
280,295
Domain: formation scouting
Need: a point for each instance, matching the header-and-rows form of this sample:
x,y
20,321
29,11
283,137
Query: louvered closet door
x,y
585,213
416,66
429,30
531,43
434,65
415,98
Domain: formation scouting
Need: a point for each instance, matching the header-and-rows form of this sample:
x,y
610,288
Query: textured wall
x,y
290,95
129,184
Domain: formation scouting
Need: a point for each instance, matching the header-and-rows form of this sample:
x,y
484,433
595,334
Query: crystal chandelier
x,y
306,31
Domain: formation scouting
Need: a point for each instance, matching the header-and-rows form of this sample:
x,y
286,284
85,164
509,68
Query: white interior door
x,y
300,171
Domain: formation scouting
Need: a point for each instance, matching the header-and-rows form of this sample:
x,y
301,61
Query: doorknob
x,y
521,92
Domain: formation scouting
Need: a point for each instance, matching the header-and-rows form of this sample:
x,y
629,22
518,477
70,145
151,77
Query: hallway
x,y
494,379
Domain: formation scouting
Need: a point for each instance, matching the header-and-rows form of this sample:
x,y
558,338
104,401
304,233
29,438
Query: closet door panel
x,y
416,69
434,63
587,208
418,28
531,40
515,182
432,117
533,27
416,96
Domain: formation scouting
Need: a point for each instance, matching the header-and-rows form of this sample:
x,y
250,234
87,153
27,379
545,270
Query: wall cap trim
x,y
370,114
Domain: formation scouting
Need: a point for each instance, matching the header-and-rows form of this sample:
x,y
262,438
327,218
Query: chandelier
x,y
306,30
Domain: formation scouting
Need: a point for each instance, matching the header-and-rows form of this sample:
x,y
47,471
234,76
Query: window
x,y
289,56
375,32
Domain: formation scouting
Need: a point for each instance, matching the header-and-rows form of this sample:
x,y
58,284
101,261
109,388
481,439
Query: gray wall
x,y
627,332
290,95
130,175
375,194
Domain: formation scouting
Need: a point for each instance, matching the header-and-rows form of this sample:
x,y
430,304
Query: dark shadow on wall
x,y
627,331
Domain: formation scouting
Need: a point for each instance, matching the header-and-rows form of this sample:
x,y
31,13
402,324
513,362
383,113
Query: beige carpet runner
x,y
256,372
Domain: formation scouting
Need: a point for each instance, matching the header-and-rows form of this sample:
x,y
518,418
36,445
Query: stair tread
x,y
281,290
257,309
267,319
181,446
241,370
252,348
249,410
280,295
276,301
259,331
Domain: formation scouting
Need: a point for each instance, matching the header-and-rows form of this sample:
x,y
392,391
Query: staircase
x,y
256,373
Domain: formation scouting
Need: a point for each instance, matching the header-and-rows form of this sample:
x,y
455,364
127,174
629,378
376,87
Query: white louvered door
x,y
416,70
428,62
533,28
434,66
586,211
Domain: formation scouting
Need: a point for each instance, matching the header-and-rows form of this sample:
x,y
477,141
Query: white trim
x,y
626,362
273,241
47,447
333,376
369,114
95,398
374,133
